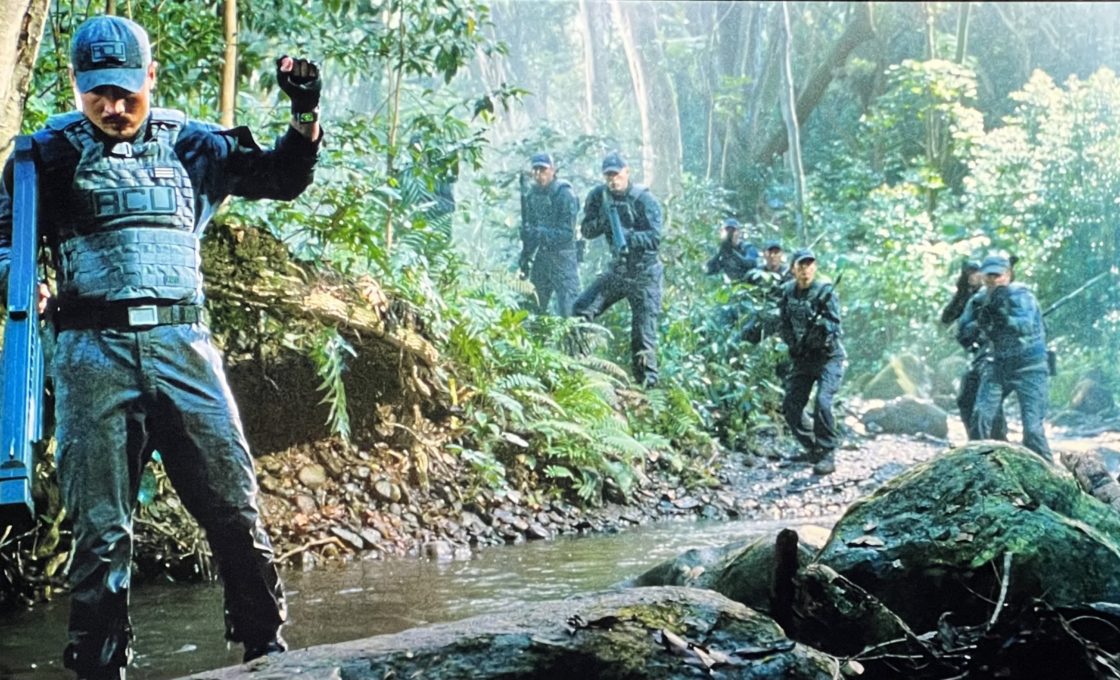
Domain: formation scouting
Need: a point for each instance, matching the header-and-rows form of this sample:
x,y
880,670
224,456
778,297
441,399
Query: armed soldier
x,y
969,282
630,217
765,319
735,257
131,189
810,327
548,245
1008,315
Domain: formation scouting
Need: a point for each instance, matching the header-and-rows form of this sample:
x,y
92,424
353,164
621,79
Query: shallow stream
x,y
179,627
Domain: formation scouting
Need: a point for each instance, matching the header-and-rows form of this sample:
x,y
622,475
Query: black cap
x,y
773,244
613,162
802,254
970,266
542,160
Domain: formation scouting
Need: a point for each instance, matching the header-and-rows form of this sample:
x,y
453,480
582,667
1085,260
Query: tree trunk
x,y
661,135
587,108
859,30
793,134
21,31
962,31
229,67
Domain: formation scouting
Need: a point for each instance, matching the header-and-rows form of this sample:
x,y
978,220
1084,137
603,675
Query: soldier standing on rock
x,y
970,281
548,245
810,327
1008,315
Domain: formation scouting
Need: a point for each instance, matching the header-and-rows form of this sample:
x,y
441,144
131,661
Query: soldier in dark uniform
x,y
548,243
635,271
765,318
735,257
774,261
131,189
810,327
969,282
1008,315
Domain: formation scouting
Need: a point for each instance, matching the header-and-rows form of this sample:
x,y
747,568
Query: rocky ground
x,y
357,509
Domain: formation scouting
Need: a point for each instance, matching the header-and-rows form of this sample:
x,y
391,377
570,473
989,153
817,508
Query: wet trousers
x,y
1031,384
820,435
120,396
641,287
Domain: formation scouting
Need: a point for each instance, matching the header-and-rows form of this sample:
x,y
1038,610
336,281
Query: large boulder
x,y
742,571
1091,394
939,537
904,375
908,415
633,634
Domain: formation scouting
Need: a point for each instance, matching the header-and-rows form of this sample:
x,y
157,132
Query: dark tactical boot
x,y
256,651
826,463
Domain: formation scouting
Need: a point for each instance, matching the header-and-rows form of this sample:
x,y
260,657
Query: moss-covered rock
x,y
935,538
904,375
742,570
662,633
908,415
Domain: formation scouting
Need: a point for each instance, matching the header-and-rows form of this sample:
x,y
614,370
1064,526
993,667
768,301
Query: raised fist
x,y
299,79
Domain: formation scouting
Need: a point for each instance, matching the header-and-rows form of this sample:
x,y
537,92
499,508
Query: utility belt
x,y
127,315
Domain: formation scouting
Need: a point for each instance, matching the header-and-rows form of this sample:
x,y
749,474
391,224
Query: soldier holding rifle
x,y
810,327
630,217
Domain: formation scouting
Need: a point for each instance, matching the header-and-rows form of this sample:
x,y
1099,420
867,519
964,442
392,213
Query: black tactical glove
x,y
301,82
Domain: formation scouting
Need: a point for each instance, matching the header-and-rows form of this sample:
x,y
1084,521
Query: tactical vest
x,y
801,310
132,224
628,219
545,208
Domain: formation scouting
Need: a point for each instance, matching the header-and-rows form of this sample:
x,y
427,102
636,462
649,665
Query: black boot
x,y
255,651
826,463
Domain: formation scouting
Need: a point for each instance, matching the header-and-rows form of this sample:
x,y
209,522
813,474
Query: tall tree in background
x,y
653,95
21,31
793,133
229,66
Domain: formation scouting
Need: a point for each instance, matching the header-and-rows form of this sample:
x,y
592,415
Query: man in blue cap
x,y
1007,316
548,237
810,327
131,188
735,257
969,282
635,272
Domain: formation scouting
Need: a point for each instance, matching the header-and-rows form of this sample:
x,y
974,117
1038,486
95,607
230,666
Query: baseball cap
x,y
995,264
613,162
802,254
731,223
542,160
773,244
110,50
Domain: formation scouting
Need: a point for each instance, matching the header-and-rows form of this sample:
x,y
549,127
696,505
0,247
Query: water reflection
x,y
179,628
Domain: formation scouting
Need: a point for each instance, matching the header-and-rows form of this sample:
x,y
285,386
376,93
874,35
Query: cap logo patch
x,y
107,53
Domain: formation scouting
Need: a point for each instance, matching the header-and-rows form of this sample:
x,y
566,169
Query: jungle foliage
x,y
915,160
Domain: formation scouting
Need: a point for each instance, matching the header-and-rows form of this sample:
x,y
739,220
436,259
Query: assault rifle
x,y
1061,302
528,246
822,304
21,420
618,238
